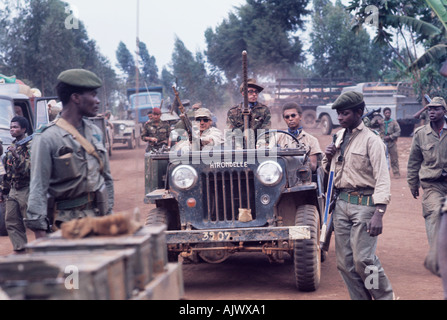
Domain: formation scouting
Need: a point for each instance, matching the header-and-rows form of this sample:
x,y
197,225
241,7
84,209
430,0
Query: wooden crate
x,y
101,275
159,246
167,285
141,241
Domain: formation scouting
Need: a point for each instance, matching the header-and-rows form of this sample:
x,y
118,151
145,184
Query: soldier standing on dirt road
x,y
426,168
390,131
69,160
363,185
14,187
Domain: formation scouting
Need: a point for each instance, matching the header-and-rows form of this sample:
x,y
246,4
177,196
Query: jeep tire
x,y
306,255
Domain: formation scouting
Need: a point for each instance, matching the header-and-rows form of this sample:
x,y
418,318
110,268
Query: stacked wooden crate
x,y
95,268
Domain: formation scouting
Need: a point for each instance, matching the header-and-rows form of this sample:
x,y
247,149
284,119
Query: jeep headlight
x,y
184,177
269,173
122,127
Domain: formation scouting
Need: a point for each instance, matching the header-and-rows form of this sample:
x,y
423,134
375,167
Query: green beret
x,y
80,78
349,100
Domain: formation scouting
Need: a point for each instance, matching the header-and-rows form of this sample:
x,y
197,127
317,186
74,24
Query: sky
x,y
112,21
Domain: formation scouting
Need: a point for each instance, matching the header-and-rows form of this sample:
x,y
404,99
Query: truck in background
x,y
128,130
308,93
398,96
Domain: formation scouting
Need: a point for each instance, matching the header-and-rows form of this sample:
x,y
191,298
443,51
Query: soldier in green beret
x,y
69,161
362,184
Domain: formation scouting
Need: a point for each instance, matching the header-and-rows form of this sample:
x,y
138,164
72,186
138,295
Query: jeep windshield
x,y
6,114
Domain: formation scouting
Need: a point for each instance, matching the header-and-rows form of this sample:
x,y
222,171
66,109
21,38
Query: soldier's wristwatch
x,y
381,210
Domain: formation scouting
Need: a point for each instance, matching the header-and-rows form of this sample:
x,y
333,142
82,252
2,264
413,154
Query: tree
x,y
265,28
193,81
36,45
149,69
406,26
339,52
126,63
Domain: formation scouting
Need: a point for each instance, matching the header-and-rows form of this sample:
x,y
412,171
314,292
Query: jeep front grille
x,y
225,192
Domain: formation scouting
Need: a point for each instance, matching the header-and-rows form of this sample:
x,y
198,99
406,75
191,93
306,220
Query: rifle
x,y
246,109
427,97
369,114
325,231
183,115
23,141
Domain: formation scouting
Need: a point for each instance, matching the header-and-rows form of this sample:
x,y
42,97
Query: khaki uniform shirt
x,y
63,169
428,156
285,141
364,164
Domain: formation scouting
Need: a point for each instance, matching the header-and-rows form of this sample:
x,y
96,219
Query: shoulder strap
x,y
88,147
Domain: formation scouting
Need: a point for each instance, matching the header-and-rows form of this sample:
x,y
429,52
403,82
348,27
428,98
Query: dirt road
x,y
402,248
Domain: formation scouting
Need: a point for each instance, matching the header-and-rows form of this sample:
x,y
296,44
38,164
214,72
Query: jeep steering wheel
x,y
283,132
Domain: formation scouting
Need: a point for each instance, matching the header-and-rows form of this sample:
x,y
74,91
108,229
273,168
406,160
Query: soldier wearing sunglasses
x,y
209,135
260,116
292,114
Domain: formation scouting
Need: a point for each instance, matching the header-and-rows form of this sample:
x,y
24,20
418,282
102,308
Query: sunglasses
x,y
293,116
206,120
253,92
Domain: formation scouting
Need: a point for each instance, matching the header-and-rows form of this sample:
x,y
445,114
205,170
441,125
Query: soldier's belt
x,y
86,201
356,198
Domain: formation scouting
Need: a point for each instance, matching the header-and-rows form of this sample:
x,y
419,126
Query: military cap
x,y
436,102
203,113
252,84
156,111
349,100
80,78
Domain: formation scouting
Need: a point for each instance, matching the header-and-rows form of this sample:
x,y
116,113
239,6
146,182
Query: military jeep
x,y
221,201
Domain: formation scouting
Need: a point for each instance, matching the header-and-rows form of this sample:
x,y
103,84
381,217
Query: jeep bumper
x,y
238,235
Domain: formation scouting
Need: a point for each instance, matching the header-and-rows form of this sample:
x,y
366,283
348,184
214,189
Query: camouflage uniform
x,y
160,130
259,119
15,185
391,129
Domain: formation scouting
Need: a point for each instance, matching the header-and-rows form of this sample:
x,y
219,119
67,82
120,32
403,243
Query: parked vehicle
x,y
399,97
308,93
